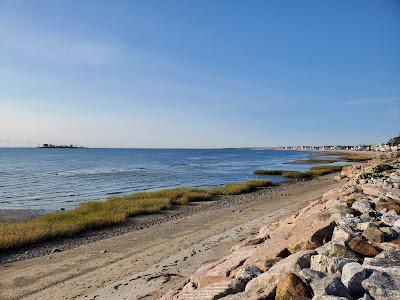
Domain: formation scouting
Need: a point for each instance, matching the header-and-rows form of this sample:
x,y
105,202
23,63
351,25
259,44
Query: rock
x,y
343,233
337,249
220,270
393,245
266,283
292,287
390,218
397,224
388,233
365,225
388,205
308,274
386,261
256,241
352,276
327,297
360,246
263,265
284,253
329,265
312,238
246,274
349,221
210,292
381,285
330,286
363,205
374,235
365,297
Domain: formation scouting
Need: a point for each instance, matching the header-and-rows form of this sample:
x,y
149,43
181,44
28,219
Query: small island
x,y
61,146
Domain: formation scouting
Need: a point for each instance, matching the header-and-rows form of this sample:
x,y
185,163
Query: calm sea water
x,y
62,178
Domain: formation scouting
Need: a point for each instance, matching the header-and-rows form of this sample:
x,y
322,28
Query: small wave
x,y
100,172
114,193
188,165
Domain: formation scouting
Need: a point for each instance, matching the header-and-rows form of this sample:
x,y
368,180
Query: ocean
x,y
52,179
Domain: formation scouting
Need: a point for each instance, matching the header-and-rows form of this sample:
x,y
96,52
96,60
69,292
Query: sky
x,y
199,74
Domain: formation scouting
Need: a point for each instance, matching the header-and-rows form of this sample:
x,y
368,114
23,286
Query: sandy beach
x,y
142,263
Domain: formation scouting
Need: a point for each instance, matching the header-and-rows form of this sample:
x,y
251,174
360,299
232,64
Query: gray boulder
x,y
338,249
386,261
381,285
328,264
330,285
246,274
343,233
363,205
390,218
352,276
365,225
309,275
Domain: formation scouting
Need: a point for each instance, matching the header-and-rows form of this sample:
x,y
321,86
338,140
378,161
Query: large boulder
x,y
330,285
381,285
329,264
292,287
352,276
309,275
265,284
337,249
343,233
311,235
361,247
388,205
390,217
211,292
386,261
246,274
363,205
218,271
374,235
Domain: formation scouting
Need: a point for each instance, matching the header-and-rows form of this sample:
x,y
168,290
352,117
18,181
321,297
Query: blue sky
x,y
199,73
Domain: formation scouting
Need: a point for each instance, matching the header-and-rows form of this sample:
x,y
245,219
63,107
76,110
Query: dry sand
x,y
143,263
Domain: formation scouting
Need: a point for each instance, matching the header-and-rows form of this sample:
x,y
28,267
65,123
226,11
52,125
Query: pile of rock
x,y
344,246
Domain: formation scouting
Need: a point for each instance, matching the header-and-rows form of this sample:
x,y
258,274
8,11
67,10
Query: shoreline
x,y
344,245
100,264
134,223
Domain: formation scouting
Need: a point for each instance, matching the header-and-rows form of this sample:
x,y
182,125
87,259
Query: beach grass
x,y
284,173
324,170
357,158
115,210
94,214
312,172
237,188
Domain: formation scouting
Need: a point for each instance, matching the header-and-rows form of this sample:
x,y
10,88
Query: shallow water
x,y
51,179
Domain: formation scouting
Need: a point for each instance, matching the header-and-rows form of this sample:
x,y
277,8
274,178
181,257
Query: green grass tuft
x,y
313,172
237,188
357,158
94,214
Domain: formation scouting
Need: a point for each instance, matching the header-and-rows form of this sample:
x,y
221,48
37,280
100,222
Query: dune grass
x,y
357,158
324,170
98,214
284,173
94,214
312,172
237,188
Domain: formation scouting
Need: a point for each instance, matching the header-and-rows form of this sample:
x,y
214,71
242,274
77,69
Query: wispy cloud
x,y
55,47
366,101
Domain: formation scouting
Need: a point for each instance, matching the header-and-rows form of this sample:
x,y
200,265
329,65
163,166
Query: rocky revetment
x,y
345,245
